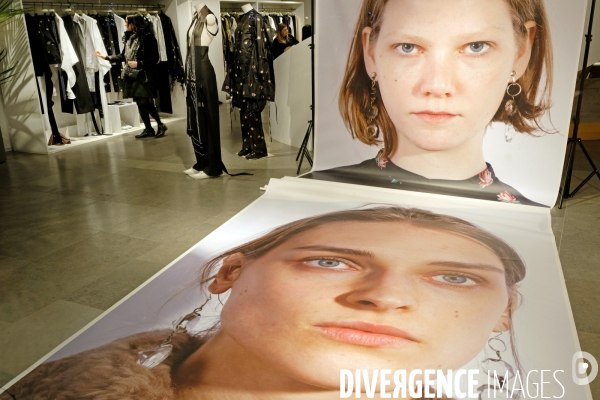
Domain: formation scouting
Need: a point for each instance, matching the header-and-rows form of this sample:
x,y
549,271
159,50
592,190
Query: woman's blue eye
x,y
478,47
407,47
455,279
329,263
458,280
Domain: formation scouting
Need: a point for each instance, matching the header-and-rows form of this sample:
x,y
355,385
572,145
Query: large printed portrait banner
x,y
292,303
464,98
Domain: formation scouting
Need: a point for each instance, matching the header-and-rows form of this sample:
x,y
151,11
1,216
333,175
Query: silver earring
x,y
153,357
513,90
373,111
496,367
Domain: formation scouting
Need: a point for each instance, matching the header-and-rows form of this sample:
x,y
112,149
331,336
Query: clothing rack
x,y
279,10
95,5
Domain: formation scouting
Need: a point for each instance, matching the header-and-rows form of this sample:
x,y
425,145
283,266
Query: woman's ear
x,y
228,273
505,321
524,55
368,51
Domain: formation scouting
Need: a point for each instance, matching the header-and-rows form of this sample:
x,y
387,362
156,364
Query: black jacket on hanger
x,y
173,52
83,98
251,74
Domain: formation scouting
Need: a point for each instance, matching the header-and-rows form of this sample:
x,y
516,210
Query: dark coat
x,y
173,52
251,74
147,57
279,48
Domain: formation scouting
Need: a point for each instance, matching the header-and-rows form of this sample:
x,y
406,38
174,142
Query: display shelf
x,y
123,113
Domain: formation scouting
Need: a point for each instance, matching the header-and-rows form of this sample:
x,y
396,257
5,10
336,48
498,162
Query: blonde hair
x,y
532,103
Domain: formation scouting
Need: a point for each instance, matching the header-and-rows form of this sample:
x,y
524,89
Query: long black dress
x,y
203,100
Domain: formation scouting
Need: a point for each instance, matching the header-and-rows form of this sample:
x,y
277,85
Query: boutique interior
x,y
40,116
77,185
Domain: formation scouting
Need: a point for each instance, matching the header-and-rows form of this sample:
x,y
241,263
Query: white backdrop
x,y
531,165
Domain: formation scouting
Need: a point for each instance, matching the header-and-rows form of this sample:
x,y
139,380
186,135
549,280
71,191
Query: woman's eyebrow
x,y
342,250
462,265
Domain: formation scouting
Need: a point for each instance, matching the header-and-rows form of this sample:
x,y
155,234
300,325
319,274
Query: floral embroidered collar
x,y
485,179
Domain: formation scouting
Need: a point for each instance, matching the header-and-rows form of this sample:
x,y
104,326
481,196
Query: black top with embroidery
x,y
250,74
383,173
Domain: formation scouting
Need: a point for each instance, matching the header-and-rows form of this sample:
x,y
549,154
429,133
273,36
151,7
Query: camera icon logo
x,y
585,368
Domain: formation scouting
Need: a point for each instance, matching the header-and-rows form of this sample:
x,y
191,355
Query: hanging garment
x,y
69,56
50,39
306,32
36,45
120,24
202,100
157,29
108,33
94,43
273,26
83,98
250,75
174,59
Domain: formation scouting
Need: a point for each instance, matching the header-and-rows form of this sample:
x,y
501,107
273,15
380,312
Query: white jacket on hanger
x,y
69,57
120,23
159,35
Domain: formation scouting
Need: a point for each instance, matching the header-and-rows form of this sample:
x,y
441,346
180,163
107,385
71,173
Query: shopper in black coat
x,y
283,41
141,56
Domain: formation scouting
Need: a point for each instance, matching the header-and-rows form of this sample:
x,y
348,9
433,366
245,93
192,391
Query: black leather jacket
x,y
251,74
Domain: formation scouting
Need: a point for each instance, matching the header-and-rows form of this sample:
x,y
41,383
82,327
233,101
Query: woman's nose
x,y
384,292
438,76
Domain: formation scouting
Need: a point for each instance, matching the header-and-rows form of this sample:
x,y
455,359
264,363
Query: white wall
x,y
595,45
22,125
291,111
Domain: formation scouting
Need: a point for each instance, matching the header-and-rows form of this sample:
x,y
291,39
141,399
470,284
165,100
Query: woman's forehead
x,y
454,15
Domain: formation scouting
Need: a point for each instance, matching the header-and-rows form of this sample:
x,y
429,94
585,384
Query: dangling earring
x,y
513,90
153,357
496,367
373,111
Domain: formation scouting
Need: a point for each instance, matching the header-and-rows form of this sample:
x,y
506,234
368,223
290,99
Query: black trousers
x,y
49,89
253,136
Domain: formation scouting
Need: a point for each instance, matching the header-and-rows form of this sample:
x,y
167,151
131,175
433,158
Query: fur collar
x,y
108,372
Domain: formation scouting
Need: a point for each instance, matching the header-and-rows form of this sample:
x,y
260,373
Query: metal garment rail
x,y
61,5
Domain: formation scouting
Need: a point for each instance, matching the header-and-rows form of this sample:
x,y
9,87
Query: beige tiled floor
x,y
80,229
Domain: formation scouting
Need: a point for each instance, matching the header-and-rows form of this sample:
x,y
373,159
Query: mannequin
x,y
211,24
202,97
250,91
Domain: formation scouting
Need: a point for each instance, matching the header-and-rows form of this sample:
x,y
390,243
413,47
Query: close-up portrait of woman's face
x,y
443,67
363,295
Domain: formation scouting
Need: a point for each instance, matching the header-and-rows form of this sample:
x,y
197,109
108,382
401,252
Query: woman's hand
x,y
132,64
102,56
287,48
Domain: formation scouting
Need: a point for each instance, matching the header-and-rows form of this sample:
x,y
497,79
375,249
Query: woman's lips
x,y
434,117
366,334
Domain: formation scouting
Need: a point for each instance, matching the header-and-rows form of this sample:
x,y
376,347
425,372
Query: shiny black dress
x,y
203,100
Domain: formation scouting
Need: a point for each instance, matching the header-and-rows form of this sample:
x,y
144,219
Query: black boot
x,y
256,155
162,128
244,152
145,134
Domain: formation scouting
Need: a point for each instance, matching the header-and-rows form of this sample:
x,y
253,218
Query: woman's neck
x,y
222,369
459,163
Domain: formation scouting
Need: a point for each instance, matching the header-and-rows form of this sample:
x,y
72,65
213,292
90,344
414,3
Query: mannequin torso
x,y
211,26
247,7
